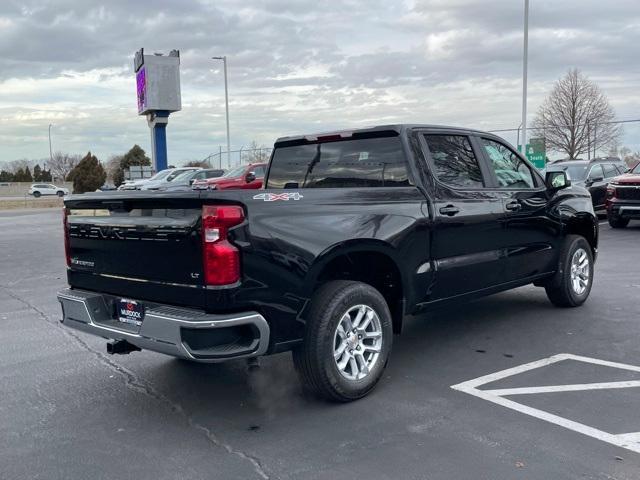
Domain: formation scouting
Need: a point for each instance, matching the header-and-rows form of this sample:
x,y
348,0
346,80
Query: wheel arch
x,y
586,225
374,262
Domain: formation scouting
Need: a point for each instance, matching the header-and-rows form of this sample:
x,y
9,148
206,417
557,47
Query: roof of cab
x,y
399,128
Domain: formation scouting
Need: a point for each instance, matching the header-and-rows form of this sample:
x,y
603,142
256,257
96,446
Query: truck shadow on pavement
x,y
239,393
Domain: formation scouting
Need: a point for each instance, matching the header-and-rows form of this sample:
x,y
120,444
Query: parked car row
x,y
594,175
187,178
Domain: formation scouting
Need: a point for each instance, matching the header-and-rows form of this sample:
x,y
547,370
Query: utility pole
x,y
524,76
226,104
50,149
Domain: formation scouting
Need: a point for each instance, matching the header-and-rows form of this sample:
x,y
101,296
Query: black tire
x,y
314,359
617,222
560,289
60,193
36,194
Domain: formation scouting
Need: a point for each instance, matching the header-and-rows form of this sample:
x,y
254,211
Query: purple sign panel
x,y
141,87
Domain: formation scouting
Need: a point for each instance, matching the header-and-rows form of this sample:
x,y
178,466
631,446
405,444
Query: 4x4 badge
x,y
272,197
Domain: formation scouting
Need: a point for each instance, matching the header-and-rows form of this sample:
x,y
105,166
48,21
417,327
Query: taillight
x,y
65,222
221,260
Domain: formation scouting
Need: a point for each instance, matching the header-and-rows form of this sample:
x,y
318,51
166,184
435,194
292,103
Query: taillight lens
x,y
221,259
65,222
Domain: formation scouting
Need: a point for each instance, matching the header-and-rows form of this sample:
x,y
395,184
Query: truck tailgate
x,y
114,244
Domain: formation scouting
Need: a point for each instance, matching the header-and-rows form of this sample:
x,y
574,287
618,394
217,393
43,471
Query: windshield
x,y
235,172
161,174
636,169
184,176
576,172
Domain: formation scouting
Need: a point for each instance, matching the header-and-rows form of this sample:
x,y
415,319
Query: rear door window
x,y
454,161
349,163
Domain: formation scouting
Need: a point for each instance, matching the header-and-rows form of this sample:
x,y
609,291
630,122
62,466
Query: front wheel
x,y
571,284
347,341
60,193
617,222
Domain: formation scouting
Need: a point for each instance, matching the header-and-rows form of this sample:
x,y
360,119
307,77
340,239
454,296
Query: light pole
x,y
524,76
226,104
50,150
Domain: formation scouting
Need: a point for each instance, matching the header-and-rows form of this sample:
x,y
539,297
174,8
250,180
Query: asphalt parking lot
x,y
68,410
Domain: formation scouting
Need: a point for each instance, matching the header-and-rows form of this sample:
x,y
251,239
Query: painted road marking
x,y
630,441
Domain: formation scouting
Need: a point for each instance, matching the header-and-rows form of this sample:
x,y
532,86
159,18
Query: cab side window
x,y
454,162
511,171
259,172
610,170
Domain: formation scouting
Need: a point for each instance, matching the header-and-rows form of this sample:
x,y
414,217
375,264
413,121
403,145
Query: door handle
x,y
513,206
450,210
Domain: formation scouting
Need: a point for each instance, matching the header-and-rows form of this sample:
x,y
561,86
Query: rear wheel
x,y
60,193
617,222
36,194
571,284
347,341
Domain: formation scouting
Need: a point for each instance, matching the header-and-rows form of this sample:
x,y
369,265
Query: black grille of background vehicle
x,y
628,193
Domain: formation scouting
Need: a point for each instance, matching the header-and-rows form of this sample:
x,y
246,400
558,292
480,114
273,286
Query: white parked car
x,y
38,189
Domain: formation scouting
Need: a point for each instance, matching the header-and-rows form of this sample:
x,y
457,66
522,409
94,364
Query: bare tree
x,y
197,163
575,118
256,153
61,164
113,166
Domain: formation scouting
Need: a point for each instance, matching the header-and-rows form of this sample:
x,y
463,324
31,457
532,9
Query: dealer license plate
x,y
130,311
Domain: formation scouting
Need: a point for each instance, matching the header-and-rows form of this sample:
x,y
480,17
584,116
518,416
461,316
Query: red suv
x,y
244,176
623,198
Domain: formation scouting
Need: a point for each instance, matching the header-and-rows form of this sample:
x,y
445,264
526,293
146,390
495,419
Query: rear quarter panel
x,y
286,243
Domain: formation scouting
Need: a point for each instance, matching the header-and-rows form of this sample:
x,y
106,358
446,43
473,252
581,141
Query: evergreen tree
x,y
46,176
27,175
88,175
134,157
37,173
6,176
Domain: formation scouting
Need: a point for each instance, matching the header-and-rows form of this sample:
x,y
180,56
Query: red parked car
x,y
244,176
623,198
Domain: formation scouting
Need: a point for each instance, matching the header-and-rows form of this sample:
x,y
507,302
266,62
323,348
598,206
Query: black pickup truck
x,y
353,231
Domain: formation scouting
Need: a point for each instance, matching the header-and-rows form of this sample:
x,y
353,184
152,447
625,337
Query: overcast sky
x,y
298,67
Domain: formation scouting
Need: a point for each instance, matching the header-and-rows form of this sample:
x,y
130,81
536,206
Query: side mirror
x,y
557,180
250,177
191,181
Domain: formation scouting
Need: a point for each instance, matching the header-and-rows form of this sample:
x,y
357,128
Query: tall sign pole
x,y
226,104
158,91
524,76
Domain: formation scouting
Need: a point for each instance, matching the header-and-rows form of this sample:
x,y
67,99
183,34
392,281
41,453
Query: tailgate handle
x,y
450,210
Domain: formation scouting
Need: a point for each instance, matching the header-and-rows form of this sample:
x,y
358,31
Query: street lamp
x,y
226,104
524,76
50,150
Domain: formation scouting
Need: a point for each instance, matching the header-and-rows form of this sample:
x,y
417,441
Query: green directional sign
x,y
536,152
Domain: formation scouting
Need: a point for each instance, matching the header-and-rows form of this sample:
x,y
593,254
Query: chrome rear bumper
x,y
180,332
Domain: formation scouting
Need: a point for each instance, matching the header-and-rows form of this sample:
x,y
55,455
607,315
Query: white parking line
x,y
630,441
